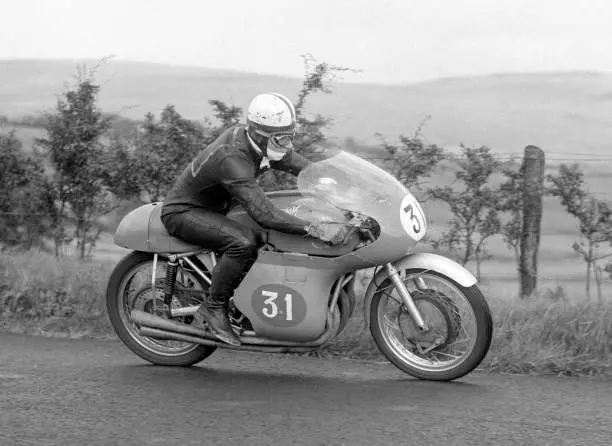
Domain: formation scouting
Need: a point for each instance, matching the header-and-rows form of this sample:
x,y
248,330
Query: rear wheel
x,y
130,288
461,326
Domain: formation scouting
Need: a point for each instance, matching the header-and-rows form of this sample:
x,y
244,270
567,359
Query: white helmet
x,y
271,113
272,116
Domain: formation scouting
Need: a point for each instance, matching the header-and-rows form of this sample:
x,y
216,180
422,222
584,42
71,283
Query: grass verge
x,y
547,335
42,295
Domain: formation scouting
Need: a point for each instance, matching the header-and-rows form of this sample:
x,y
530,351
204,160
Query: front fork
x,y
411,307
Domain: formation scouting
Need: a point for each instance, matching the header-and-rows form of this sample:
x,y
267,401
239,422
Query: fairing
x,y
350,183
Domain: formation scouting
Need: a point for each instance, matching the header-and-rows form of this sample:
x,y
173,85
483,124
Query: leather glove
x,y
327,230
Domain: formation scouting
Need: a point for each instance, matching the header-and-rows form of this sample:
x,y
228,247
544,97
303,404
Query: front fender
x,y
426,261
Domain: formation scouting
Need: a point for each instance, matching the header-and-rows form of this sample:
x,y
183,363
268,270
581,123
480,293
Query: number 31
x,y
272,310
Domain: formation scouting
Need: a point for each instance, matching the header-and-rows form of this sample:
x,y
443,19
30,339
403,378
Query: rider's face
x,y
279,146
274,145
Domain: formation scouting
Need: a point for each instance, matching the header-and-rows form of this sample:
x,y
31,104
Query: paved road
x,y
62,392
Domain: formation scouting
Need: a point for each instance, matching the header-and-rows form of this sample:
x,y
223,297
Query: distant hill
x,y
560,112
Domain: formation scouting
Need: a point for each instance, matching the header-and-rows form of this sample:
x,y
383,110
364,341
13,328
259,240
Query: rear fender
x,y
426,261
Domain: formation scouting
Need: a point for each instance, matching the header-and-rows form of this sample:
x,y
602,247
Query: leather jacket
x,y
227,169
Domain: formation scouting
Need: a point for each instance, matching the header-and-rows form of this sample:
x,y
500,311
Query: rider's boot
x,y
226,277
215,313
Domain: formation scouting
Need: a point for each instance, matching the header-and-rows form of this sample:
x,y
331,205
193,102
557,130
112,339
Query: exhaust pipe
x,y
173,336
147,321
184,311
151,321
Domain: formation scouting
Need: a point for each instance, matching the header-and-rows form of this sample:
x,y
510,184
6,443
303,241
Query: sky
x,y
390,41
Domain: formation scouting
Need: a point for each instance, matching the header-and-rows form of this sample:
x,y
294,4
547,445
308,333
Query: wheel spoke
x,y
441,353
391,296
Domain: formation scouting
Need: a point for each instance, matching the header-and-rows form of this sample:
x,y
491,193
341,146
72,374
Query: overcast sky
x,y
390,40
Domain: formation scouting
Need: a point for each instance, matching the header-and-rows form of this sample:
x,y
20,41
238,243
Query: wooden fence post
x,y
533,191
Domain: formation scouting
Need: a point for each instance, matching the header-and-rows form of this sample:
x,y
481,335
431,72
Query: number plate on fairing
x,y
413,218
279,305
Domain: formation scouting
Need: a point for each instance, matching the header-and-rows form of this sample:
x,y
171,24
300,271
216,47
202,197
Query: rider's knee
x,y
248,243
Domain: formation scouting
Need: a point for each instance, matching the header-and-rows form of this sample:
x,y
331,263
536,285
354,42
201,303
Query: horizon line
x,y
493,74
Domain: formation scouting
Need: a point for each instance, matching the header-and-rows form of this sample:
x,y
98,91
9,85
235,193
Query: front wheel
x,y
129,287
461,326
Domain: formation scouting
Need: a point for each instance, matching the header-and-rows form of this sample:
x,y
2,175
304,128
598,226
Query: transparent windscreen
x,y
351,183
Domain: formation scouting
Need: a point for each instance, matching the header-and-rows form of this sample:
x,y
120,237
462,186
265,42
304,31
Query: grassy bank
x,y
550,334
42,295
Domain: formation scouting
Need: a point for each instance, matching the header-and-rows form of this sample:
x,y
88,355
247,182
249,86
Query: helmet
x,y
272,116
270,113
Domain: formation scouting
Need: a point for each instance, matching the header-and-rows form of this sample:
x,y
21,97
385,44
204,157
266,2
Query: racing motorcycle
x,y
424,311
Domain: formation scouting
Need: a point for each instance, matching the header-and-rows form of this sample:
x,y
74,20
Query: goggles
x,y
281,139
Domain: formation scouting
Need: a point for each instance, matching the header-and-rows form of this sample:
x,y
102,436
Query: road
x,y
84,392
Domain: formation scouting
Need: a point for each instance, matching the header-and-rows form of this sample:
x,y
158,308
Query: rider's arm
x,y
292,163
237,177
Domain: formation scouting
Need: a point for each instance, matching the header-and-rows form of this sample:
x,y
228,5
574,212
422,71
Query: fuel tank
x,y
143,230
307,208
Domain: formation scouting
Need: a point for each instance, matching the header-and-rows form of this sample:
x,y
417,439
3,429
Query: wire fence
x,y
508,156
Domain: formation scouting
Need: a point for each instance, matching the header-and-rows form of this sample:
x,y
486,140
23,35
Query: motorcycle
x,y
424,311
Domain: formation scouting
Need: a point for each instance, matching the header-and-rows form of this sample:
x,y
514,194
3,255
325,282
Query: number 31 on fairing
x,y
413,218
272,310
278,305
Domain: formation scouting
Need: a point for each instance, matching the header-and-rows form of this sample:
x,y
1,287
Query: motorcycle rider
x,y
195,207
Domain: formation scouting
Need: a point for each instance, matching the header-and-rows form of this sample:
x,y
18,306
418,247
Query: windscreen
x,y
352,183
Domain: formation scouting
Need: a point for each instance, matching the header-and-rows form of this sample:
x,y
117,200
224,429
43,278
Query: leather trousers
x,y
237,244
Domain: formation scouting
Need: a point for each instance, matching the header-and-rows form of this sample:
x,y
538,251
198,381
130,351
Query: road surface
x,y
76,392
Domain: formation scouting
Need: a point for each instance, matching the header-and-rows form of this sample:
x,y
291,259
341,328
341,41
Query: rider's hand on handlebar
x,y
328,230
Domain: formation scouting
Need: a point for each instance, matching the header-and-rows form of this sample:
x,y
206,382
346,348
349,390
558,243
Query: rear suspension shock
x,y
170,280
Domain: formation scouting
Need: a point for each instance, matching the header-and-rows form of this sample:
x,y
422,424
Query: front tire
x,y
118,308
406,352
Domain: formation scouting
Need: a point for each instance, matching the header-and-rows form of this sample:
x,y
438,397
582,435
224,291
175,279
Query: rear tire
x,y
113,306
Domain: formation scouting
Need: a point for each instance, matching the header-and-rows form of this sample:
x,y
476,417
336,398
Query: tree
x,y
162,151
412,159
474,213
149,163
310,138
122,127
226,116
608,269
26,207
594,217
318,77
511,202
77,158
